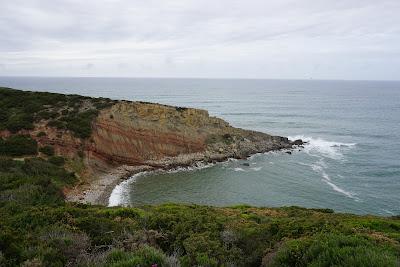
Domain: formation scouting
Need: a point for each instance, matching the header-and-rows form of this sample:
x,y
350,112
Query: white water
x,y
323,149
120,194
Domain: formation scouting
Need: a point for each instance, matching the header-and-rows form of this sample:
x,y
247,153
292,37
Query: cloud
x,y
227,38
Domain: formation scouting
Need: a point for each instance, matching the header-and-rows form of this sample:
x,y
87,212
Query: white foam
x,y
256,168
319,167
120,194
197,166
255,156
338,189
237,169
389,212
319,146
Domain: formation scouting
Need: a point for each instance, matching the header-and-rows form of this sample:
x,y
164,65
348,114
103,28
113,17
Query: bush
x,y
57,160
18,122
41,134
20,109
144,256
81,123
18,145
335,250
47,150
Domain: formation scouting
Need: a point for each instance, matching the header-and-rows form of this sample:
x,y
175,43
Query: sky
x,y
266,39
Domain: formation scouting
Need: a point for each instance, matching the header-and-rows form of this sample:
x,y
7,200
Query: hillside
x,y
50,143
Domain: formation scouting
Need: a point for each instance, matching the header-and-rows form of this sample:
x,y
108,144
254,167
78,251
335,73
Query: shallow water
x,y
352,162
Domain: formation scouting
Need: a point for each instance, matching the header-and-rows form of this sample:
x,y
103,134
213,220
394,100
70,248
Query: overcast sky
x,y
349,39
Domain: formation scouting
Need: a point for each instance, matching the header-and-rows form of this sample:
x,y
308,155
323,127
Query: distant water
x,y
352,162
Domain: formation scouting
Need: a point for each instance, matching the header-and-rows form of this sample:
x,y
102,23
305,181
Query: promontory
x,y
104,140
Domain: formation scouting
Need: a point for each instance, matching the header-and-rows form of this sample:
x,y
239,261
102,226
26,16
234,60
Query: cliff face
x,y
97,134
135,133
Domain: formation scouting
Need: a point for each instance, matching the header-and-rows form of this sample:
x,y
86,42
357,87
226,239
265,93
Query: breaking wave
x,y
196,166
319,167
323,149
328,149
120,194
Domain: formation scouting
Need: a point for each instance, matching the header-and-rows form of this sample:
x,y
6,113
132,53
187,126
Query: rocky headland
x,y
126,137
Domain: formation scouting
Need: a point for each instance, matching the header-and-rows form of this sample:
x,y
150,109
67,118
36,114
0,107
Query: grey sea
x,y
351,163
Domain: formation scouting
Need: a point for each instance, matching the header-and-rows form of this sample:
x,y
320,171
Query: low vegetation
x,y
47,150
18,145
37,228
21,110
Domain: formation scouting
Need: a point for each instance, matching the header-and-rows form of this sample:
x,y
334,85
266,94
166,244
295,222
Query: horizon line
x,y
199,78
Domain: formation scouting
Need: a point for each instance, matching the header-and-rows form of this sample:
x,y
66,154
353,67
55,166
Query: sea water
x,y
351,162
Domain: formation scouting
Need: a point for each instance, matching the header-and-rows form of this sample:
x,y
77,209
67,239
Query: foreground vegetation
x,y
38,228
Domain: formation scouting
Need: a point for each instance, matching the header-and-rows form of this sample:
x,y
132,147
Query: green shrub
x,y
18,122
335,250
20,109
57,160
81,123
57,124
18,145
46,115
144,256
47,150
41,134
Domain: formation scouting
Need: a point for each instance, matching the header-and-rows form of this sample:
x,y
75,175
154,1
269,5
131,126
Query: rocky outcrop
x,y
161,136
135,133
130,136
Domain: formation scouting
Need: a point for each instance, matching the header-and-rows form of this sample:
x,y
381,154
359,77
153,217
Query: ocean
x,y
351,163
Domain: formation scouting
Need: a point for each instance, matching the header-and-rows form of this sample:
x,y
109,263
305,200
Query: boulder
x,y
297,142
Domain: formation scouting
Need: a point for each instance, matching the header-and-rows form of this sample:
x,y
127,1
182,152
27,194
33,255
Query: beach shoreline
x,y
98,190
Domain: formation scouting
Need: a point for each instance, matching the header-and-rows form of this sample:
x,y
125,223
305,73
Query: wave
x,y
120,194
389,212
319,167
196,167
256,168
340,190
237,169
318,146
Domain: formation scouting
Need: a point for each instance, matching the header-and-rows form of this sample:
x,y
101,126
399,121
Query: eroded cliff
x,y
97,135
136,133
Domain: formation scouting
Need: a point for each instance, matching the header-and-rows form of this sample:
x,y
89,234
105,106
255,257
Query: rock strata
x,y
124,137
155,136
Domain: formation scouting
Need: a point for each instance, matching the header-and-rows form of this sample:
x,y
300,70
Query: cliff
x,y
135,133
97,135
